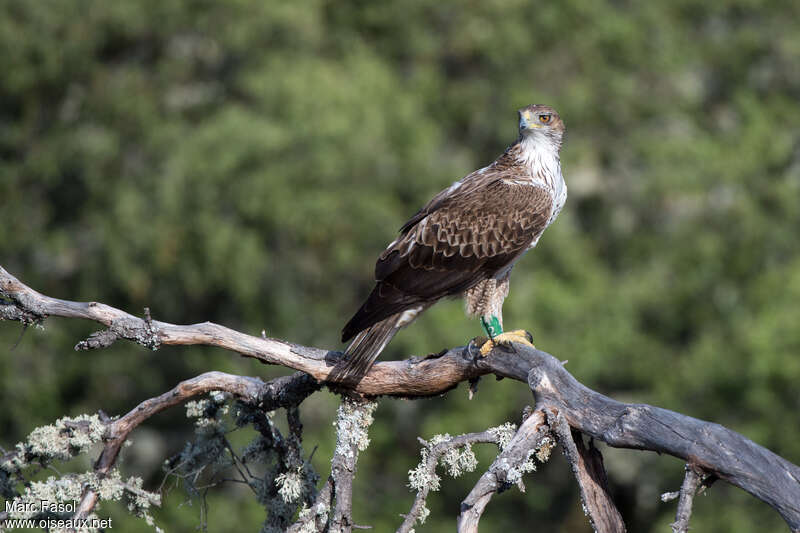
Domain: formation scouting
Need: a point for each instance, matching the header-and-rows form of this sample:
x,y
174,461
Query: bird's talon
x,y
487,346
474,346
506,341
480,340
523,336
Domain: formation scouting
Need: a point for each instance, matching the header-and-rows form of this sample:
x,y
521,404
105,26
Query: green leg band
x,y
492,327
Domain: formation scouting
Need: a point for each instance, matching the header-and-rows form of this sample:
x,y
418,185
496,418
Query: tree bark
x,y
531,435
587,466
713,448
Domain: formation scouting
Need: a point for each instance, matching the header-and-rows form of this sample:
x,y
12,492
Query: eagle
x,y
465,241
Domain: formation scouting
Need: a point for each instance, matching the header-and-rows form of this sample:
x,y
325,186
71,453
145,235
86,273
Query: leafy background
x,y
245,161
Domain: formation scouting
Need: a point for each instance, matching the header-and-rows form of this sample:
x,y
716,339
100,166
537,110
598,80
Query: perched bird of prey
x,y
465,241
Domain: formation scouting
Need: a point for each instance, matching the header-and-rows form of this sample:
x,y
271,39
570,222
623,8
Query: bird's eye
x,y
545,119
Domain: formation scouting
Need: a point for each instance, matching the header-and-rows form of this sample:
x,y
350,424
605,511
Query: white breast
x,y
540,154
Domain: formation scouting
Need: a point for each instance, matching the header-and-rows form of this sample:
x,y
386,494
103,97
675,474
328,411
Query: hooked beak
x,y
527,121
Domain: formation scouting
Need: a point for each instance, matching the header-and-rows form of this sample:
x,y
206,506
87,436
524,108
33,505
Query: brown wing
x,y
460,238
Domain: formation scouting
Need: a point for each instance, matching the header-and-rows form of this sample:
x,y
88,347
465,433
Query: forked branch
x,y
424,477
533,437
352,423
587,466
280,393
409,378
715,449
692,482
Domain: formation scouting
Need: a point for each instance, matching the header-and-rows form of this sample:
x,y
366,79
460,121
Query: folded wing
x,y
464,235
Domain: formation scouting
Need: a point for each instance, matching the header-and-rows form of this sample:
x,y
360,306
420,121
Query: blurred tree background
x,y
245,162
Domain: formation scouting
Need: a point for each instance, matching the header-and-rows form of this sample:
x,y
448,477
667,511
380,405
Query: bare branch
x,y
353,421
714,448
533,436
9,311
591,477
281,392
414,377
428,480
691,482
317,514
717,450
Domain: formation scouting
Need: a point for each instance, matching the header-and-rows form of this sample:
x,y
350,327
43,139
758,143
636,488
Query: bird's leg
x,y
492,327
494,330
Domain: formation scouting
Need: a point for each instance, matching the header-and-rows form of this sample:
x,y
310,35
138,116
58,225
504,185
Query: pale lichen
x,y
353,419
545,448
286,486
423,514
459,460
62,493
209,413
456,460
309,516
289,481
503,433
513,473
61,441
290,484
419,477
66,438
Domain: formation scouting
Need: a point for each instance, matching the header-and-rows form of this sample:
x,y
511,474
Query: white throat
x,y
540,153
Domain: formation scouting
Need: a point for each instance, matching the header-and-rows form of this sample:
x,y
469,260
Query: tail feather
x,y
383,303
365,348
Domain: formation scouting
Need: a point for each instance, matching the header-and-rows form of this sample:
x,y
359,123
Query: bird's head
x,y
543,120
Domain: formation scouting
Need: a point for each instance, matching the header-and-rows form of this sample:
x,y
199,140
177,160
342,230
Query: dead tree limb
x,y
352,422
281,392
717,450
533,436
427,479
316,517
590,475
714,448
409,378
692,481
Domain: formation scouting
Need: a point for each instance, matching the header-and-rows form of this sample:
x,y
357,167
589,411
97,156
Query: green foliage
x,y
245,162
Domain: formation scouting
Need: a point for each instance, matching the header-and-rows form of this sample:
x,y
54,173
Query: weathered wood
x,y
587,466
354,418
410,378
714,448
692,480
531,435
432,460
281,392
